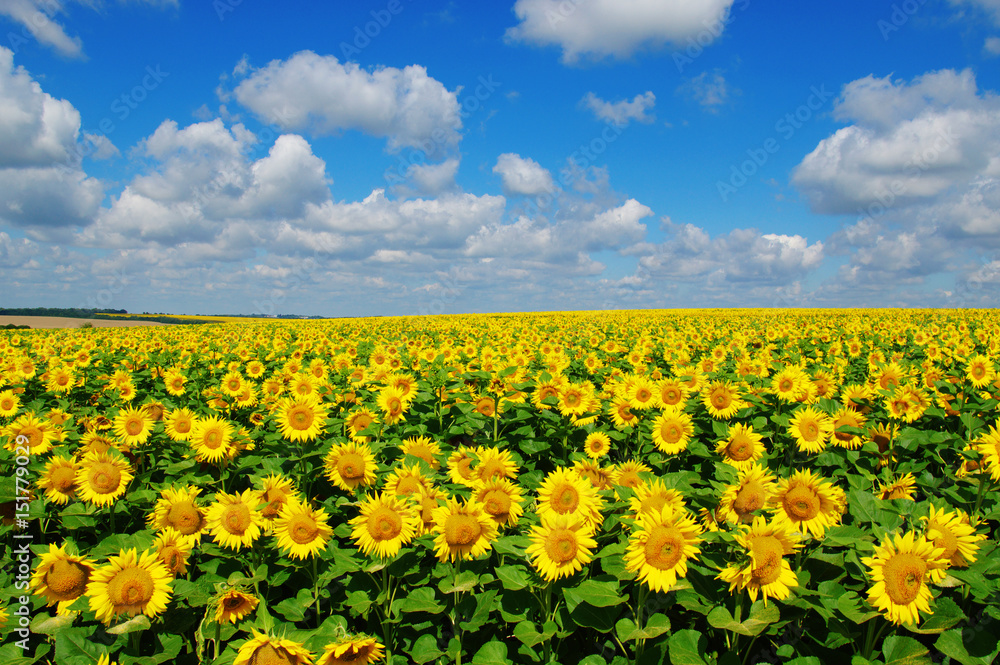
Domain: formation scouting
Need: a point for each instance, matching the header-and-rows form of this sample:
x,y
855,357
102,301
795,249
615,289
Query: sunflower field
x,y
686,487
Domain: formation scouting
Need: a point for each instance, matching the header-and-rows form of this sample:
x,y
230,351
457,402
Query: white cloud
x,y
992,46
991,7
433,179
617,28
708,89
522,175
622,111
318,94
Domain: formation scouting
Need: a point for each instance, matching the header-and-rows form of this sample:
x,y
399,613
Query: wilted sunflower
x,y
234,521
61,577
423,448
742,448
807,503
178,509
752,492
386,524
811,428
658,550
464,530
59,479
265,650
352,650
672,430
350,465
501,499
212,439
597,445
301,530
103,478
560,546
301,418
173,549
133,426
233,605
902,567
952,532
765,569
563,492
129,584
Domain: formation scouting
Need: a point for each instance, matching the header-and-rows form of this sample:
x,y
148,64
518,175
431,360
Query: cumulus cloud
x,y
433,179
991,7
622,111
522,175
709,89
318,94
613,28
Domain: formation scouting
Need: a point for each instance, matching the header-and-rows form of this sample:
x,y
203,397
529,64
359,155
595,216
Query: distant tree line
x,y
71,312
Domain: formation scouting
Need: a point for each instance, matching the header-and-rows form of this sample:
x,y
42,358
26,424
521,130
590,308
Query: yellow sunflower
x,y
621,414
672,393
393,405
275,491
129,584
627,474
424,448
406,480
902,488
350,465
59,479
178,509
234,521
301,530
847,417
902,567
174,382
764,569
60,577
742,448
753,490
265,650
9,403
133,426
386,524
103,477
988,445
807,503
352,650
501,499
212,439
38,434
233,605
652,496
173,549
464,530
494,463
358,421
560,546
301,418
597,445
672,430
599,477
563,492
660,548
811,428
952,532
460,464
722,399
979,371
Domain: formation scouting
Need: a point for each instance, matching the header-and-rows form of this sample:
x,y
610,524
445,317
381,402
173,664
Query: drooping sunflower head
x,y
598,476
903,487
352,650
266,650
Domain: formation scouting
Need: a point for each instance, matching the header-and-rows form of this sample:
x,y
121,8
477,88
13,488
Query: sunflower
x,y
653,496
952,532
464,530
352,650
133,426
393,405
179,424
302,531
61,577
39,434
350,465
426,504
807,503
275,491
621,414
752,492
265,650
59,479
764,569
386,524
232,383
501,499
178,509
988,445
672,393
979,371
856,398
560,546
494,463
406,481
597,445
233,605
660,548
599,477
460,464
9,403
358,421
173,549
672,430
902,488
301,418
234,521
212,439
129,584
626,474
641,393
423,448
174,382
742,447
811,429
902,567
847,417
103,477
563,492
574,400
722,399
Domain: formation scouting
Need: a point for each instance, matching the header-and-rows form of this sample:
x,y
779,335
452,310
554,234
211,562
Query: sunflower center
x,y
462,530
183,426
643,395
172,559
491,469
408,485
62,478
629,479
565,499
904,577
496,503
766,552
671,397
237,518
801,503
212,439
301,418
303,529
351,466
104,478
749,498
34,435
810,431
185,517
740,449
268,655
130,589
385,524
133,426
978,372
721,400
66,580
561,545
233,603
670,432
665,547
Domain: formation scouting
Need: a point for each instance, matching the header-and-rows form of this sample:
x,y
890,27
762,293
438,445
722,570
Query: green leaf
x,y
44,624
467,580
421,600
74,647
425,649
760,618
294,609
593,592
850,605
136,623
656,625
902,650
804,660
491,653
193,594
947,613
484,606
527,632
513,577
686,647
861,504
970,646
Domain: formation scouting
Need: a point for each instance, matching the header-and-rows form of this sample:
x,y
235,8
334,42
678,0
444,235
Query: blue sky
x,y
416,156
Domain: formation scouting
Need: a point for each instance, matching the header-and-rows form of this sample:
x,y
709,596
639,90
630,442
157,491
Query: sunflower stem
x,y
640,605
218,639
982,492
546,610
315,576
